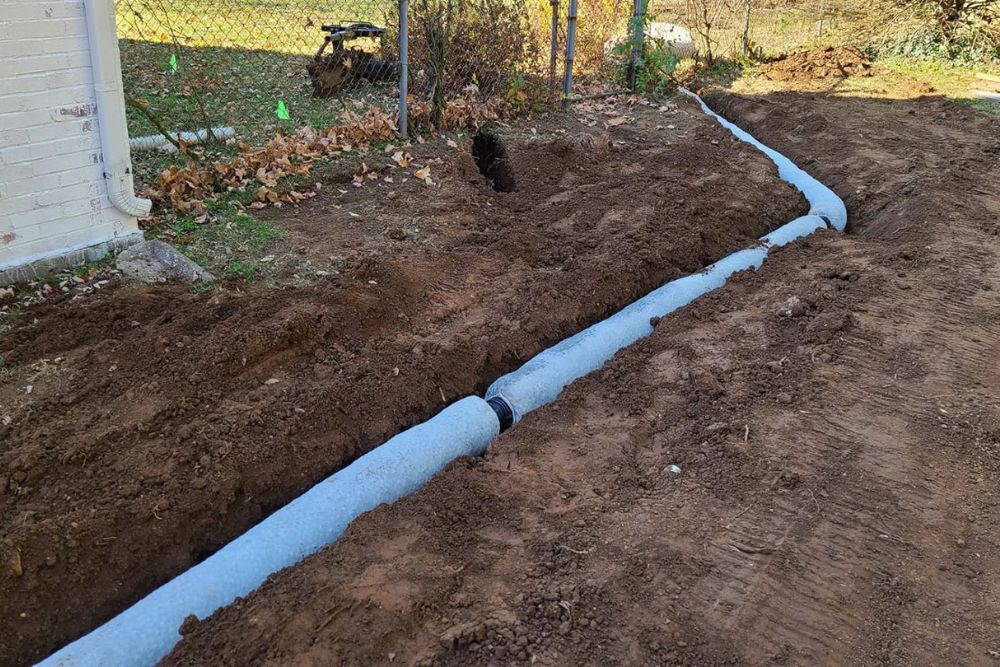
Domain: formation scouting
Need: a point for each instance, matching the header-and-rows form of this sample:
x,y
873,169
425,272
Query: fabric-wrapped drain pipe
x,y
144,633
541,379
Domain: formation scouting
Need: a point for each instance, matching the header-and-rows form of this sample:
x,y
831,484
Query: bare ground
x,y
169,422
834,499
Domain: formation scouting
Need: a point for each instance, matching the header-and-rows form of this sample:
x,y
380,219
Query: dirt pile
x,y
167,422
826,63
800,468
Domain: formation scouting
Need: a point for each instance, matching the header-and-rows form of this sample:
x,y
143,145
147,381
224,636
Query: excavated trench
x,y
147,631
742,454
552,269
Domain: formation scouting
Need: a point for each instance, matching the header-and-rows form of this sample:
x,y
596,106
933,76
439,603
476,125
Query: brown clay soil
x,y
835,424
831,62
163,423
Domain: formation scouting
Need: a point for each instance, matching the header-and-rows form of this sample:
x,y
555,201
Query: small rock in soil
x,y
792,308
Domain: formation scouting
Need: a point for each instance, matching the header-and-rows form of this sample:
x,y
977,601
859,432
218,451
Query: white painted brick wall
x,y
52,191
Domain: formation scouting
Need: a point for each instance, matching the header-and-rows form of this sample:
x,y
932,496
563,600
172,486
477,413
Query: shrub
x,y
455,44
956,30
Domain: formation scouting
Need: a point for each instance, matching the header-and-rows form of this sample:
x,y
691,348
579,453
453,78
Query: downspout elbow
x,y
123,197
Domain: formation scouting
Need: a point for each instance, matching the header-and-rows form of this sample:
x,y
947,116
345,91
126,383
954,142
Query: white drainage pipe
x,y
822,200
145,632
151,141
542,379
105,64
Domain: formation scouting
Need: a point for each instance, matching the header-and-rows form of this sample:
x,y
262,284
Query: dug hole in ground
x,y
799,468
172,422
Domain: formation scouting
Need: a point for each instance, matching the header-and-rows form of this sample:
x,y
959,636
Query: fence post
x,y
570,50
554,44
404,40
745,37
638,37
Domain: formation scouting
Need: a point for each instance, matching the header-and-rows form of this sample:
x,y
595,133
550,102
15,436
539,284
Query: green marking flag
x,y
282,111
173,63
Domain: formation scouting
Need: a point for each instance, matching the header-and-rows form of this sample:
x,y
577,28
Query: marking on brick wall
x,y
80,111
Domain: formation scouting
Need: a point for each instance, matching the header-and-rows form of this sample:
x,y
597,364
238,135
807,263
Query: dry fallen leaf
x,y
402,159
15,563
616,121
422,173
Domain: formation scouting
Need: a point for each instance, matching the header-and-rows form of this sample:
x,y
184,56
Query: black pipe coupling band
x,y
505,413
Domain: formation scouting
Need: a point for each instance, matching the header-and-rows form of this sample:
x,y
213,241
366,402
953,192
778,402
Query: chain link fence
x,y
254,67
191,64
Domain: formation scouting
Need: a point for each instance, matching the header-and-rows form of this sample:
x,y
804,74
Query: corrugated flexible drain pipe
x,y
151,141
145,632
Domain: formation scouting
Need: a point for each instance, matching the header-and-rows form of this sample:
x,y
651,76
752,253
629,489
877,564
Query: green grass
x,y
237,88
227,240
280,26
90,267
982,106
949,79
240,270
234,62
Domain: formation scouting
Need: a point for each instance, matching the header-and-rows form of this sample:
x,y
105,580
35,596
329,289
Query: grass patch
x,y
240,270
284,27
238,87
951,80
198,63
227,240
218,86
230,242
87,270
982,106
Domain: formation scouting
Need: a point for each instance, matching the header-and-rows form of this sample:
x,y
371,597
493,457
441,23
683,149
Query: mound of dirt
x,y
827,63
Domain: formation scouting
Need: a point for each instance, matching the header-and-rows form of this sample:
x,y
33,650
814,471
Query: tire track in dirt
x,y
838,468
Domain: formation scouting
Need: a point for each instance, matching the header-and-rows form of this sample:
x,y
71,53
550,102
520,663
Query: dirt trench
x,y
800,468
169,422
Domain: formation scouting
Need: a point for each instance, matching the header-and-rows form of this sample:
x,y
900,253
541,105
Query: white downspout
x,y
106,65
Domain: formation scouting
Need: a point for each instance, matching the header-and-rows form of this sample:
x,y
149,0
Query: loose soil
x,y
825,63
166,423
800,468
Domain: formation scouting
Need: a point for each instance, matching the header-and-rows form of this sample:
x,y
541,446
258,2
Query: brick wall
x,y
53,198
